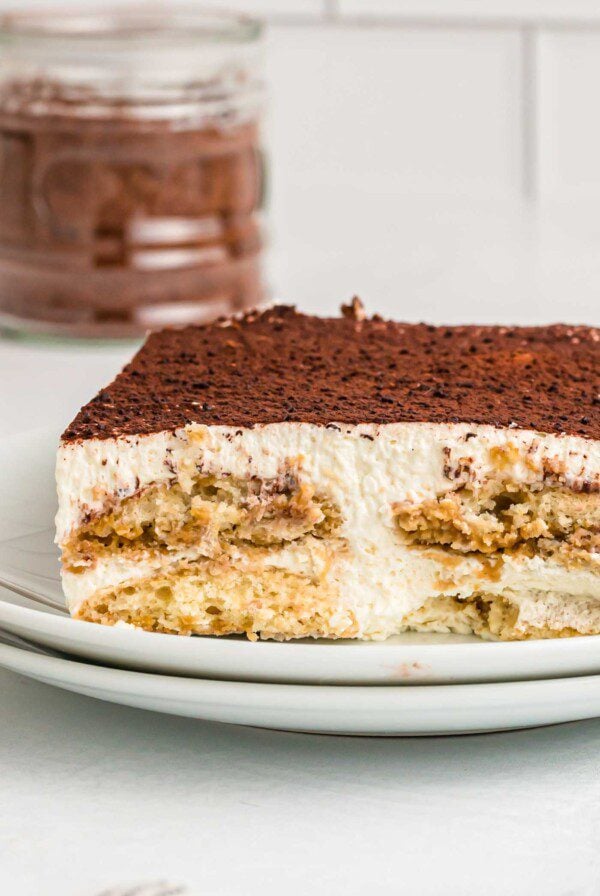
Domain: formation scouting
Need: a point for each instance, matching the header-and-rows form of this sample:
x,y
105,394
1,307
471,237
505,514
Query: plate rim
x,y
324,709
319,691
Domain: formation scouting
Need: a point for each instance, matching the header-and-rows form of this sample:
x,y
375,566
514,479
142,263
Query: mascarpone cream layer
x,y
363,470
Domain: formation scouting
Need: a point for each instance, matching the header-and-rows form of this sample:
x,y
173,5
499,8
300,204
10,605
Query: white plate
x,y
29,560
442,709
406,659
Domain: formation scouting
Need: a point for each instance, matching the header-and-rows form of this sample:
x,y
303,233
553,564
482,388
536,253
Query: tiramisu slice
x,y
284,476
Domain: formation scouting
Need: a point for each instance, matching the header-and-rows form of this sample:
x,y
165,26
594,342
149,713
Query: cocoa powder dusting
x,y
280,365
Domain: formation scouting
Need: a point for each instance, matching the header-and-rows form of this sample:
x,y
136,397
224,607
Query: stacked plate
x,y
408,685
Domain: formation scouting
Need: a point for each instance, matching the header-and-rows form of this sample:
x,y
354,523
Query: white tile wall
x,y
569,115
564,11
397,111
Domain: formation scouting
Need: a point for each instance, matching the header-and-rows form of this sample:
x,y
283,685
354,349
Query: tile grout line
x,y
331,10
529,113
332,16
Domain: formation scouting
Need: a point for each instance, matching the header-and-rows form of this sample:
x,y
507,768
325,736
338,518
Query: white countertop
x,y
94,795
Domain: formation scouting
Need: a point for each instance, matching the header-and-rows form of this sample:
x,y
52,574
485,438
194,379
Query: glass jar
x,y
131,175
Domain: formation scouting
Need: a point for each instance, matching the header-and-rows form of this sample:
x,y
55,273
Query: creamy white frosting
x,y
364,470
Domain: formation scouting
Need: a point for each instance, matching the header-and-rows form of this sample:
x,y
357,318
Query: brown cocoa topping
x,y
284,366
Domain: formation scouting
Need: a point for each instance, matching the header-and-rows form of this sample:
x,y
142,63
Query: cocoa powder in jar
x,y
114,224
131,176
